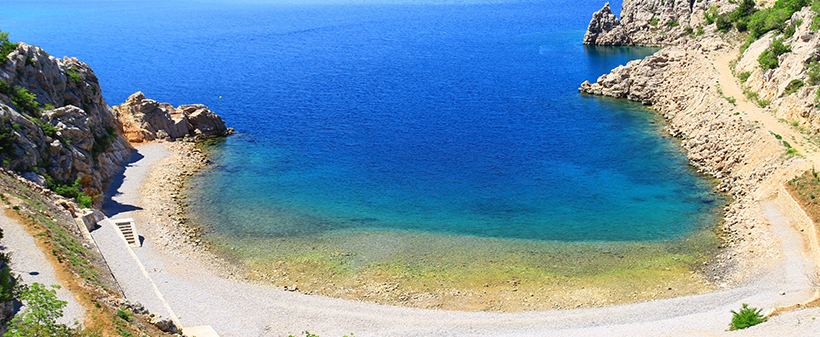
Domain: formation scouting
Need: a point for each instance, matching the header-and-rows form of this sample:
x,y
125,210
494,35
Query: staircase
x,y
128,230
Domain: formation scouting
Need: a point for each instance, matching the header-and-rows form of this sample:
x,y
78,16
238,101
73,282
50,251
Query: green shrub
x,y
25,101
672,23
6,47
124,314
723,23
768,59
711,14
688,30
746,317
84,200
700,31
744,76
43,308
654,22
793,86
48,129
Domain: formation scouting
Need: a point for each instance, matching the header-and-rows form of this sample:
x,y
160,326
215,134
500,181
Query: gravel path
x,y
200,297
28,261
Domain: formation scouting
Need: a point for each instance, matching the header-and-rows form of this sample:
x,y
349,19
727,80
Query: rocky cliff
x,y
145,120
650,22
55,125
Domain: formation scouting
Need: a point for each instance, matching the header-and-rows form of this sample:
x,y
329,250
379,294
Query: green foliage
x,y
124,314
653,22
700,31
41,314
746,317
77,78
793,86
768,59
672,23
688,30
48,129
6,47
813,70
711,14
744,76
723,23
773,18
792,28
72,192
8,284
25,101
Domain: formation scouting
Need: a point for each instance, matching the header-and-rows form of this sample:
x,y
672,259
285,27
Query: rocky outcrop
x,y
145,120
606,30
772,85
650,22
67,131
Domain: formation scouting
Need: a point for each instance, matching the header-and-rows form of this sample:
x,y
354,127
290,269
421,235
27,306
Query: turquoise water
x,y
457,119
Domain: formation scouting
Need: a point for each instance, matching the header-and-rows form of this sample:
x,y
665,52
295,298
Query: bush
x,y
6,47
723,23
768,59
124,314
25,101
746,317
653,22
793,86
711,15
672,23
744,76
813,70
41,314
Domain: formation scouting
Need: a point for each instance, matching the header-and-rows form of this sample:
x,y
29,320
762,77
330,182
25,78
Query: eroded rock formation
x,y
145,120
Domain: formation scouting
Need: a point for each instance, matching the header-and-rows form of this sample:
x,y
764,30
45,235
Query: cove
x,y
424,154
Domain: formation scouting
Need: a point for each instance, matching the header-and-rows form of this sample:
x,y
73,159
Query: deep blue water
x,y
444,118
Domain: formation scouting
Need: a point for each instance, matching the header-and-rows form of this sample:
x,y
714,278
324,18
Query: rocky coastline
x,y
682,84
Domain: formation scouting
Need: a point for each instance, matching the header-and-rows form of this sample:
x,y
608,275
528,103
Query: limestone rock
x,y
74,133
164,324
145,120
605,29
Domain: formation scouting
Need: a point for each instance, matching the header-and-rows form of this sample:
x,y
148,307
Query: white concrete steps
x,y
129,230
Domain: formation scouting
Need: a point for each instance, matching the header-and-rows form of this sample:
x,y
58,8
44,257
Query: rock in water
x,y
605,29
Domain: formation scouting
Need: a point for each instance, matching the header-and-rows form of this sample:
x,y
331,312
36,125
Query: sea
x,y
409,121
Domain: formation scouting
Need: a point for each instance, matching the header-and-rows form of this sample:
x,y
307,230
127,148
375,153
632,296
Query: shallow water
x,y
404,137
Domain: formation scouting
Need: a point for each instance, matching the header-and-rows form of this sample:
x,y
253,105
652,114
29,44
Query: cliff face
x,y
649,22
66,130
145,120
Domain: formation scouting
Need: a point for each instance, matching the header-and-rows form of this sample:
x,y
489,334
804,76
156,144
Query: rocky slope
x,y
65,130
650,22
145,120
771,86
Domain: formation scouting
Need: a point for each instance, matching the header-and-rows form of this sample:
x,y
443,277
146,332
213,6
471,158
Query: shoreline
x,y
199,293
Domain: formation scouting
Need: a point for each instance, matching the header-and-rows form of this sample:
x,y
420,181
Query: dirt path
x,y
29,261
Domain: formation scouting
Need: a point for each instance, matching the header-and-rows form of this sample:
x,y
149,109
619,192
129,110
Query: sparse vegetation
x,y
43,308
768,59
744,76
746,317
793,86
6,47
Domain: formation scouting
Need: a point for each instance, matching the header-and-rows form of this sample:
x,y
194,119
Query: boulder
x,y
145,120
